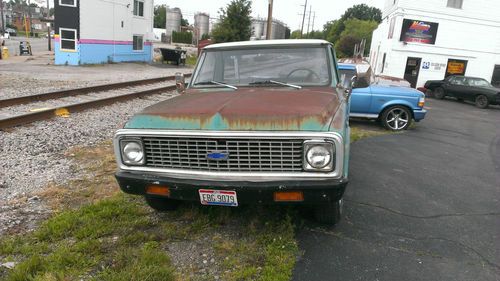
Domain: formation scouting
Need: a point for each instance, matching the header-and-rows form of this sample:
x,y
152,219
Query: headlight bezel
x,y
329,145
125,159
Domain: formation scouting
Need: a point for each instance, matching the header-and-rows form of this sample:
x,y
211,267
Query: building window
x,y
68,39
457,4
138,43
68,3
138,8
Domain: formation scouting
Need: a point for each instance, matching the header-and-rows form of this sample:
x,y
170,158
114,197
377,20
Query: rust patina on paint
x,y
248,108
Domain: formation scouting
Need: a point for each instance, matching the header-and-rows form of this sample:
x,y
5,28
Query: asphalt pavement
x,y
38,45
421,205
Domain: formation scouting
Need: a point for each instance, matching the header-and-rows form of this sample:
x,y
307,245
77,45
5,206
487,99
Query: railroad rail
x,y
22,119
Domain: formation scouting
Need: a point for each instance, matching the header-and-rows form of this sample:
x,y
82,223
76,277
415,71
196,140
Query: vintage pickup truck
x,y
260,122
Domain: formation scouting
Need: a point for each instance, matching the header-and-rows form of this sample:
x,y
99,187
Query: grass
x,y
358,133
191,60
98,233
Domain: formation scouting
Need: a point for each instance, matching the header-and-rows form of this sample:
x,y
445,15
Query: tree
x,y
205,36
160,16
184,22
234,22
355,30
333,29
295,34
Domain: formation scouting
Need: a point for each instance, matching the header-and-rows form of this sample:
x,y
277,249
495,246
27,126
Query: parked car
x,y
477,90
11,31
245,131
382,98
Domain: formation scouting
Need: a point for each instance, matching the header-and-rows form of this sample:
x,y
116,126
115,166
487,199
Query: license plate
x,y
218,197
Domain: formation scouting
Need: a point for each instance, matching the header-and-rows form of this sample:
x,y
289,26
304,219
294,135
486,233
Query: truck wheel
x,y
329,213
162,204
439,93
482,101
396,118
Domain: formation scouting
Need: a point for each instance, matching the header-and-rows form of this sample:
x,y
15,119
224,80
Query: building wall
x,y
66,17
471,33
105,31
107,28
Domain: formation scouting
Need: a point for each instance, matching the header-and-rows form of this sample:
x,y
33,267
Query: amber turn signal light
x,y
158,190
288,196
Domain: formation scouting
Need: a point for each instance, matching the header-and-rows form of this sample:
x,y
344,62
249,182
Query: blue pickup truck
x,y
395,106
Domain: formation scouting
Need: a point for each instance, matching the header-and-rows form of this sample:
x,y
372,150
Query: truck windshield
x,y
304,66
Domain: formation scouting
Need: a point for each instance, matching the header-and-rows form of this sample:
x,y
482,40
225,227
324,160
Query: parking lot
x,y
422,205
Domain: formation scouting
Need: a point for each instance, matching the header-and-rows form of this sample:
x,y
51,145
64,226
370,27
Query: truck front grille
x,y
245,155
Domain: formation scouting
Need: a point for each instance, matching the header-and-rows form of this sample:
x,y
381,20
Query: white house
x,y
431,39
98,31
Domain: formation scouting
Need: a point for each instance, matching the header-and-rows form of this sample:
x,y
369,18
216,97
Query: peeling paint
x,y
308,109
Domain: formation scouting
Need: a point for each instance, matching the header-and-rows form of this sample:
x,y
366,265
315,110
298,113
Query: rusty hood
x,y
245,109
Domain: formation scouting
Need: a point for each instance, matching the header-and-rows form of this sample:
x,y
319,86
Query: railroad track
x,y
91,93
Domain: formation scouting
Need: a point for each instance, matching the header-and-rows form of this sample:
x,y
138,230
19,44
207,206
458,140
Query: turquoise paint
x,y
66,58
104,53
218,123
101,53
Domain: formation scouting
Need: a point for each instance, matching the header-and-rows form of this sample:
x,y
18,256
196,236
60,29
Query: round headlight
x,y
133,153
318,156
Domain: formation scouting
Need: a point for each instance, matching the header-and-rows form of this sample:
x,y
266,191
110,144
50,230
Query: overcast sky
x,y
287,11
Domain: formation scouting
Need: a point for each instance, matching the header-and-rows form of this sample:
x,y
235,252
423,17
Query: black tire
x,y
439,93
329,213
482,101
162,204
396,118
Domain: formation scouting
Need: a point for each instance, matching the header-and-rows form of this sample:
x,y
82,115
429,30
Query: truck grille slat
x,y
245,155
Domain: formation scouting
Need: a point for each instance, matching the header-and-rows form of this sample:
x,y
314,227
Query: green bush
x,y
182,37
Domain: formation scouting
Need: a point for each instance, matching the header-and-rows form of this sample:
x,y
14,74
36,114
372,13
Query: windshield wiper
x,y
214,83
265,82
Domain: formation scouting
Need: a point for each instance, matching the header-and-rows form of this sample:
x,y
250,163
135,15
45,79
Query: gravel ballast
x,y
33,155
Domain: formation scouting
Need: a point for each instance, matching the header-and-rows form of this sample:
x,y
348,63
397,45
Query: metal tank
x,y
174,17
201,24
278,30
258,28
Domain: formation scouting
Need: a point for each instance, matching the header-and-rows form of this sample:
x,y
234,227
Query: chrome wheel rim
x,y
397,119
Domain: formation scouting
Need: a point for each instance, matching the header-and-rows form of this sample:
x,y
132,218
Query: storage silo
x,y
258,28
278,30
201,24
174,17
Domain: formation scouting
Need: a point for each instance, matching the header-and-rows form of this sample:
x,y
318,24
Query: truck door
x,y
361,97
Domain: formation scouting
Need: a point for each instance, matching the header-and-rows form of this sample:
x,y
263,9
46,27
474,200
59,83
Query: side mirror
x,y
354,80
180,83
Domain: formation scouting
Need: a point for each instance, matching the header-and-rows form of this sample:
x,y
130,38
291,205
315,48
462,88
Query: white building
x,y
96,31
431,39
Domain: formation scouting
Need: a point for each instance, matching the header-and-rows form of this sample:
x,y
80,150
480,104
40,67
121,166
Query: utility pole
x,y
48,27
303,18
29,15
309,22
1,15
269,20
314,18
